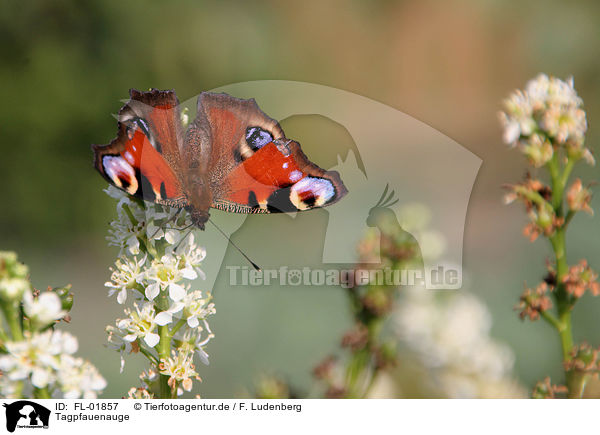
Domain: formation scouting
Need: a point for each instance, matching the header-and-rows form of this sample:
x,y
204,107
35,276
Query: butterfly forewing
x,y
144,158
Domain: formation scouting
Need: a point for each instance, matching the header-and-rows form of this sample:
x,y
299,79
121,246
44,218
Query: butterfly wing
x,y
143,159
279,178
253,167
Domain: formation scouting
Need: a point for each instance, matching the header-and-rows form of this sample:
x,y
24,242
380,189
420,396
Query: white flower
x,y
44,309
127,274
130,224
544,91
171,235
180,369
34,357
450,334
79,379
191,255
166,317
547,104
517,119
38,357
193,341
117,194
117,342
165,273
139,393
200,343
161,225
142,323
9,389
165,223
197,308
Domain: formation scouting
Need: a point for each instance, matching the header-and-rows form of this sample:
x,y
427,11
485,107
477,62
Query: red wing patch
x,y
140,169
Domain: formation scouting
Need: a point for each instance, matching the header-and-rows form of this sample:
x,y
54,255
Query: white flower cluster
x,y
45,360
157,256
450,336
37,360
548,113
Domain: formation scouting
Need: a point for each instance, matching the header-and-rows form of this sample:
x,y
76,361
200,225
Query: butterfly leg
x,y
171,219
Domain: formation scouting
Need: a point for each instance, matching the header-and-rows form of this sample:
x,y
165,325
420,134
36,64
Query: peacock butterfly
x,y
232,157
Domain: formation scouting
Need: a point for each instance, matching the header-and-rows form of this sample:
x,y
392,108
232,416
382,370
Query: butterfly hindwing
x,y
279,178
143,159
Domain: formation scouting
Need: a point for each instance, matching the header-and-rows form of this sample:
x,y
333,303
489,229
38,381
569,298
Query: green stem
x,y
3,335
41,393
177,327
559,247
568,218
11,312
567,172
566,335
551,319
19,388
163,347
129,214
564,303
554,169
355,372
576,384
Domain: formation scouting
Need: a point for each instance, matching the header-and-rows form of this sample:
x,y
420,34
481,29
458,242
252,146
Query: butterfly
x,y
231,157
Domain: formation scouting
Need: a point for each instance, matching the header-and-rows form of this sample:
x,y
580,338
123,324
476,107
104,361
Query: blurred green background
x,y
67,64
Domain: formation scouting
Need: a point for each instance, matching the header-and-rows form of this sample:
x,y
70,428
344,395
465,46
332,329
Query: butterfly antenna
x,y
254,265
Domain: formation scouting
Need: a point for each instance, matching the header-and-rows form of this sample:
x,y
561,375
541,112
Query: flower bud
x,y
538,151
579,198
10,266
66,297
12,289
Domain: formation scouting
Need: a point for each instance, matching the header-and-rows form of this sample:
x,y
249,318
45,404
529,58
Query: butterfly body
x,y
232,157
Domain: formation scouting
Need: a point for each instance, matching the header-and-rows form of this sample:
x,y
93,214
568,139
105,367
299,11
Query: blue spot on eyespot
x,y
257,138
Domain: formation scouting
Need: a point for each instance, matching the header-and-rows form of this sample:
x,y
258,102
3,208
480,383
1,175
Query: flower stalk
x,y
549,112
167,323
369,351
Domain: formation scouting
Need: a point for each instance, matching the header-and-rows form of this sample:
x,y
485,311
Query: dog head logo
x,y
26,414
